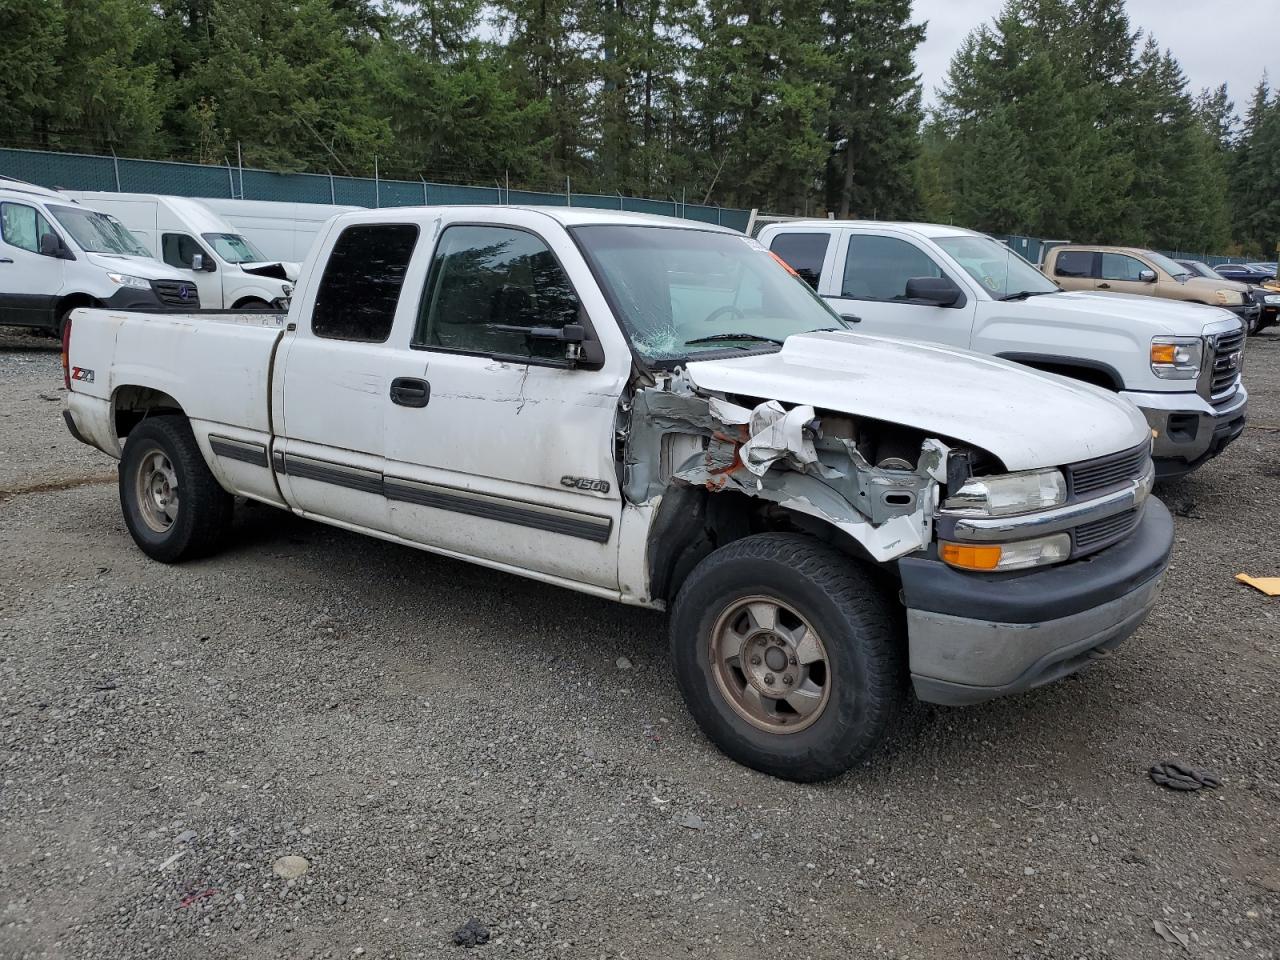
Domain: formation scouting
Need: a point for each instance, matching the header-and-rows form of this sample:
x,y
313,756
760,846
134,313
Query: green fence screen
x,y
81,171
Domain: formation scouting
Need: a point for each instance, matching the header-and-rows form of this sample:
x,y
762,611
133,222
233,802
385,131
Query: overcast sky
x,y
1215,41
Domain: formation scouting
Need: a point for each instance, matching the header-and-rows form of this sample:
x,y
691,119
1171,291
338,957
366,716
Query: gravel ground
x,y
442,743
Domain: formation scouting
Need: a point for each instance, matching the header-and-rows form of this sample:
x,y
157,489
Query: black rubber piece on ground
x,y
1177,776
204,508
860,626
471,934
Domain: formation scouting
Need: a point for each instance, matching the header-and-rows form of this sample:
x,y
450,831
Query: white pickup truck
x,y
1180,363
656,412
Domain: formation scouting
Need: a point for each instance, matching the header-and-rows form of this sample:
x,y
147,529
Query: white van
x,y
57,254
280,229
229,270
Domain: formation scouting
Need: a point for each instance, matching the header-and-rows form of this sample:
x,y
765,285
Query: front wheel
x,y
788,655
173,506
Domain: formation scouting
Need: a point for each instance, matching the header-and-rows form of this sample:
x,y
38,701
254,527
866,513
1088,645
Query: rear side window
x,y
804,253
878,268
1074,263
362,280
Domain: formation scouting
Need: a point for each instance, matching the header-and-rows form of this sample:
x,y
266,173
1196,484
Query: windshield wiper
x,y
1024,294
715,338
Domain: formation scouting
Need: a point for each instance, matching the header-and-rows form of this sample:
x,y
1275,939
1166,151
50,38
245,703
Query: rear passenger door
x,y
1075,269
337,373
871,285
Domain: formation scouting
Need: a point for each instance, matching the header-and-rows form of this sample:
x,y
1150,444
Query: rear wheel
x,y
173,506
253,303
788,655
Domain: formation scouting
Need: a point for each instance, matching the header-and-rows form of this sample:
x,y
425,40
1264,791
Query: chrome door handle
x,y
1104,286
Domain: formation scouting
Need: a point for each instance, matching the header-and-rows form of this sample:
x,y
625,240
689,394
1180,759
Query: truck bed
x,y
111,350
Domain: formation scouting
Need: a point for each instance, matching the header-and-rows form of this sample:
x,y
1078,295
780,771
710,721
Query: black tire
x,y
253,303
203,509
860,627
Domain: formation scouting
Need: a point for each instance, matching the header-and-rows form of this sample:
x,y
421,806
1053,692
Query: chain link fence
x,y
83,171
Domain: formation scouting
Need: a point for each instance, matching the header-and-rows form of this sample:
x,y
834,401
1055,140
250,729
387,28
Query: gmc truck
x,y
1179,363
656,412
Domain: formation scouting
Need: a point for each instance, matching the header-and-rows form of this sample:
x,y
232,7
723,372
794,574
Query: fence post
x,y
424,189
506,178
377,186
240,164
333,194
115,163
568,194
231,179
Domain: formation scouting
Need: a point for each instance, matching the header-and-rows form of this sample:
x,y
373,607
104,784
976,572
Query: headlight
x,y
1007,556
1176,358
125,280
1229,298
1272,299
1009,493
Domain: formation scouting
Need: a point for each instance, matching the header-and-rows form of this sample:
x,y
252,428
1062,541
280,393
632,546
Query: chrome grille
x,y
1112,470
1226,358
1091,537
177,293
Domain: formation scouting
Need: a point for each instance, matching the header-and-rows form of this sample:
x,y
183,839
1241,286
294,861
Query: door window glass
x,y
878,268
179,250
804,252
1117,266
488,287
361,283
1074,263
22,226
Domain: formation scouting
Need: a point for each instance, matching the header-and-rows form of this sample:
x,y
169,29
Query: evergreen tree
x,y
875,115
1256,181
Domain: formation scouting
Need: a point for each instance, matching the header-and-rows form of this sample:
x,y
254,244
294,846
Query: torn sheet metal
x,y
778,434
782,456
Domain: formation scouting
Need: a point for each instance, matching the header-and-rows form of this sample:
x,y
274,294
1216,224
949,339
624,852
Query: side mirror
x,y
1147,276
935,291
197,262
51,245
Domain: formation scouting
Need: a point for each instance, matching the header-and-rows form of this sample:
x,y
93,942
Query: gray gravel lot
x,y
442,743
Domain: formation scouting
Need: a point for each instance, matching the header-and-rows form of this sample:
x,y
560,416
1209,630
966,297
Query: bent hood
x,y
1026,418
1122,311
275,269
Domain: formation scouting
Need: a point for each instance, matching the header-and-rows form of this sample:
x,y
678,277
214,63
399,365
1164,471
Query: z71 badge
x,y
80,373
585,483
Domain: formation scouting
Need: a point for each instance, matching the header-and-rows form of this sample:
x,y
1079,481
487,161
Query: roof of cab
x,y
921,229
565,216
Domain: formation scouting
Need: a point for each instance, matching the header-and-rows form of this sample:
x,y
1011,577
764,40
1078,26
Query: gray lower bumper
x,y
1188,429
956,661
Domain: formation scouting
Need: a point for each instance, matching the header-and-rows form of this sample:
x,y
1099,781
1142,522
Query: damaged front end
x,y
817,465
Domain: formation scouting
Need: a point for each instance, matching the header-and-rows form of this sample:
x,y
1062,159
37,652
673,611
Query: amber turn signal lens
x,y
971,557
1163,353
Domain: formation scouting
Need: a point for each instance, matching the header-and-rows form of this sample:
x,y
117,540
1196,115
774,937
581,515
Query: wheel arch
x,y
1089,371
692,522
132,403
71,301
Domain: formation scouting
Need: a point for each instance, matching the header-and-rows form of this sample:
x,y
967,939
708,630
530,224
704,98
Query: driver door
x,y
497,449
871,284
1122,273
30,281
179,250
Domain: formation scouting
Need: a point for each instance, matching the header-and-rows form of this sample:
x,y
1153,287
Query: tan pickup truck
x,y
1146,274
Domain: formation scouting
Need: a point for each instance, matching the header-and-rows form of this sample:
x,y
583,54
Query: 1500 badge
x,y
585,483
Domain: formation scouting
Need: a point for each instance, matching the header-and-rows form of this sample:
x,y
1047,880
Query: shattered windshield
x,y
98,232
682,292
